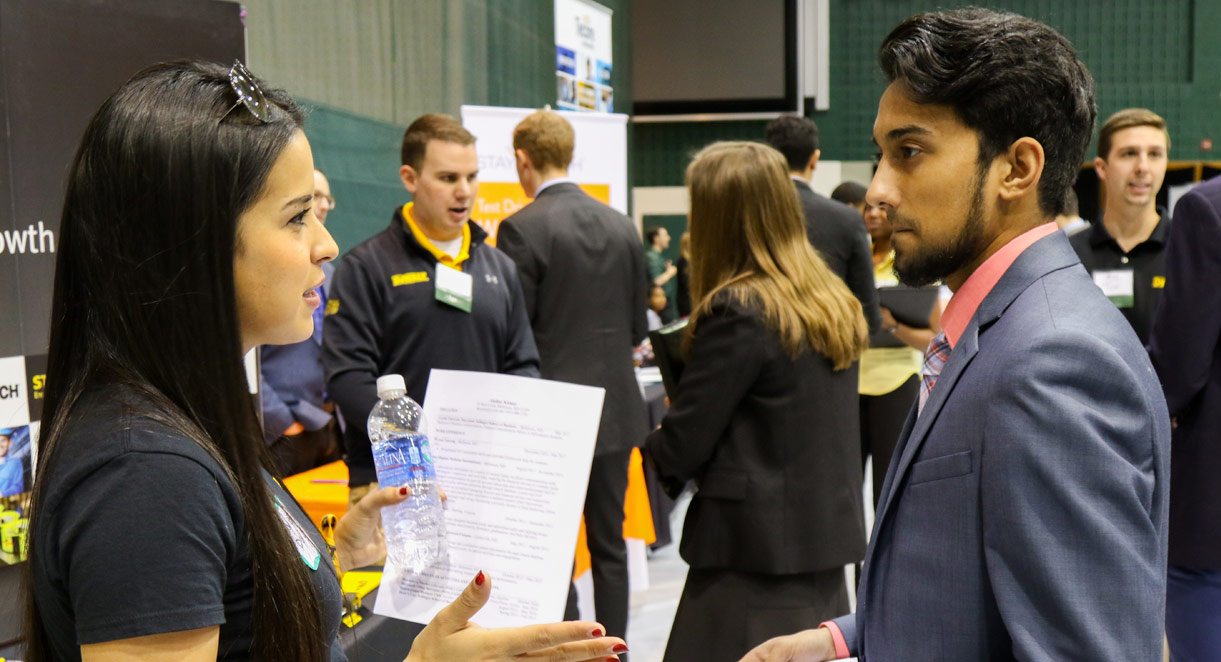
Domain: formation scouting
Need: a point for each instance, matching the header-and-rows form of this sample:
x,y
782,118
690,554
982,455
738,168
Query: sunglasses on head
x,y
248,93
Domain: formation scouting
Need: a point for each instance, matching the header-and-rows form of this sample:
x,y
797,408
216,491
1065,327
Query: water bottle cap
x,y
388,383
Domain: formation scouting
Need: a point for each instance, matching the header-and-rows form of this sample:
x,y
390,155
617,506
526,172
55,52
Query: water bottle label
x,y
421,462
403,460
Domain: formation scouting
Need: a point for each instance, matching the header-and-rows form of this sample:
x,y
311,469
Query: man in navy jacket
x,y
1185,350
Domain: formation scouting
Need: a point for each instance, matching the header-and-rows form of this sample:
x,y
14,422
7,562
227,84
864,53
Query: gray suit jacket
x,y
1024,515
581,266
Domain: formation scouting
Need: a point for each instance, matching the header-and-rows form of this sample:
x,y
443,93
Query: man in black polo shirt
x,y
427,292
1124,251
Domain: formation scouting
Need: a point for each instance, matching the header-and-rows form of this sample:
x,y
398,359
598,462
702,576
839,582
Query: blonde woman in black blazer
x,y
765,417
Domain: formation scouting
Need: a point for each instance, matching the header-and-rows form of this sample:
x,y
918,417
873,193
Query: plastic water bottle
x,y
415,528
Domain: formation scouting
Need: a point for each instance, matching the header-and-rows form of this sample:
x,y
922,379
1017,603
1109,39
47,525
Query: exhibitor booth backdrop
x,y
59,61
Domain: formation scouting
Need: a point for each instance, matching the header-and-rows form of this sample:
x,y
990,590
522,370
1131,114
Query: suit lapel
x,y
916,429
960,358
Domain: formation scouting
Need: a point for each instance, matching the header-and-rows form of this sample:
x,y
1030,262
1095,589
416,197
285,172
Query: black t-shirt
x,y
144,534
1146,264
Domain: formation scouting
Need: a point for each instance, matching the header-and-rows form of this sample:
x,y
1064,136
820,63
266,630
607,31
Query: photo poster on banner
x,y
599,160
22,384
583,56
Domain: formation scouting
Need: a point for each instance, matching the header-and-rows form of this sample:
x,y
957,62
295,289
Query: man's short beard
x,y
935,264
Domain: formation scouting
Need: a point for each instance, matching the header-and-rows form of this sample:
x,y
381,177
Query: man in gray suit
x,y
1024,516
581,266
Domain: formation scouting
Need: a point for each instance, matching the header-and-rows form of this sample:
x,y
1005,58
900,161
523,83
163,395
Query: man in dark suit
x,y
581,266
1184,347
1025,514
835,229
299,422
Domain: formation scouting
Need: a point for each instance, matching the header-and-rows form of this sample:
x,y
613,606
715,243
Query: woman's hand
x,y
358,536
451,636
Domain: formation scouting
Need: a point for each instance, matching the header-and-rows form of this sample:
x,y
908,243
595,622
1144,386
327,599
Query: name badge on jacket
x,y
454,288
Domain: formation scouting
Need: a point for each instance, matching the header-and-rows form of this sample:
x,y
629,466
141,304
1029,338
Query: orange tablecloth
x,y
324,491
637,516
321,491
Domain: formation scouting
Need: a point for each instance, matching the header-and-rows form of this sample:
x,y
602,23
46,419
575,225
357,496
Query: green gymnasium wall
x,y
360,157
1161,55
370,66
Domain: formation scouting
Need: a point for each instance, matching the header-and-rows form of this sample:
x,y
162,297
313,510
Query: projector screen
x,y
714,56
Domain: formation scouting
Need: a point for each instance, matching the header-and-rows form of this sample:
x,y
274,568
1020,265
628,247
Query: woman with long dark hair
x,y
157,531
764,418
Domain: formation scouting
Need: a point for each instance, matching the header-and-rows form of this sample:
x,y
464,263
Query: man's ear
x,y
522,159
1100,168
410,178
1022,169
813,162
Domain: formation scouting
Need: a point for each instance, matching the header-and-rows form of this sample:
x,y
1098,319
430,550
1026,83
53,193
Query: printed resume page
x,y
512,455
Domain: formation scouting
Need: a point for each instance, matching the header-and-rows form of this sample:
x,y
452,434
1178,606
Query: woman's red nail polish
x,y
596,633
402,491
619,648
479,579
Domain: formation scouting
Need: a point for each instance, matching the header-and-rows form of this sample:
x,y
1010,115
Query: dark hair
x,y
1072,206
849,193
650,233
1006,77
795,137
432,126
147,245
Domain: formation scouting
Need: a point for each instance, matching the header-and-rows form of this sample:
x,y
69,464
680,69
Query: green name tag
x,y
1118,285
454,288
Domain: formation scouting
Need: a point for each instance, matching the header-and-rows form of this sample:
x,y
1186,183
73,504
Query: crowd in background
x,y
789,392
1019,434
